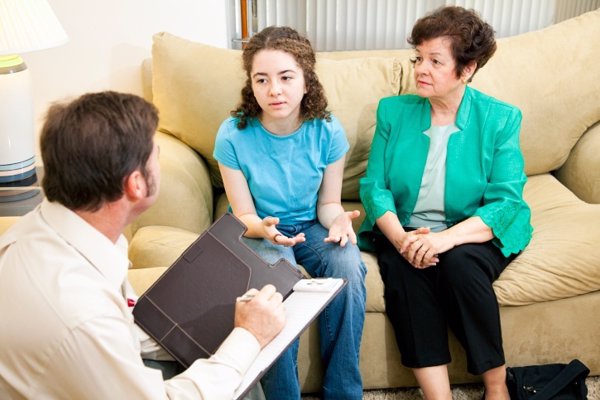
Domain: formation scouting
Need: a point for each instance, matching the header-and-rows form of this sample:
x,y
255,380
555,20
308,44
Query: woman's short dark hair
x,y
314,102
472,38
92,144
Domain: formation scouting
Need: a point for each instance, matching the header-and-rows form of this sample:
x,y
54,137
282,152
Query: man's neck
x,y
110,219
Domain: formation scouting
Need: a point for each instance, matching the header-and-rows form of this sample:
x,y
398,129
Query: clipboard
x,y
308,300
190,309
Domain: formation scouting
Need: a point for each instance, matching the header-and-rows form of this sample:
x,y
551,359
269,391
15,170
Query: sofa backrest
x,y
551,75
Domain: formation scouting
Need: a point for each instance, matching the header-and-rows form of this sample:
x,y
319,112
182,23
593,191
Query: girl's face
x,y
435,69
278,86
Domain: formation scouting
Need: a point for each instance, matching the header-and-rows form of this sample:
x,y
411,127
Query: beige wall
x,y
108,41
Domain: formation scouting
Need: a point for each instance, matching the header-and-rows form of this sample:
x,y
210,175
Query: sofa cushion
x,y
540,72
184,185
196,85
141,279
562,259
7,222
158,246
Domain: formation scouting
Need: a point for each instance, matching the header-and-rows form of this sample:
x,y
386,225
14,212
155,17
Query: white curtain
x,y
385,24
566,9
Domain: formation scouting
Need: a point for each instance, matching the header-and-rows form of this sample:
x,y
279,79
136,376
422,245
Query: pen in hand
x,y
245,297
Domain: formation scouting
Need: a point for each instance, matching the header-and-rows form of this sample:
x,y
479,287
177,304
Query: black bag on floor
x,y
548,381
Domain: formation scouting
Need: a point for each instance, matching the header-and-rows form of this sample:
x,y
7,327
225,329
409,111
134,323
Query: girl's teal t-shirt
x,y
284,173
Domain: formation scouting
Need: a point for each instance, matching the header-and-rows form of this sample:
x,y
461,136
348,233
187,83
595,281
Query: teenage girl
x,y
281,155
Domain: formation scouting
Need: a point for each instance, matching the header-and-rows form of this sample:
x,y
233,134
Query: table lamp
x,y
25,25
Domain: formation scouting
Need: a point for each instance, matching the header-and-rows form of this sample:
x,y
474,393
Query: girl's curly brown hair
x,y
472,38
314,102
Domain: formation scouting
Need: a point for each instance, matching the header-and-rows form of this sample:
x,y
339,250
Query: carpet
x,y
459,392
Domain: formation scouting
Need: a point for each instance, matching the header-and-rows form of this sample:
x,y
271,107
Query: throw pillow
x,y
195,86
562,259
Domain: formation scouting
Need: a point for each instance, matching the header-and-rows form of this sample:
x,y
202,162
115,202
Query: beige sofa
x,y
549,295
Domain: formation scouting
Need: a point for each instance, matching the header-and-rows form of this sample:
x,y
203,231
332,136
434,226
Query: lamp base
x,y
20,190
17,159
17,172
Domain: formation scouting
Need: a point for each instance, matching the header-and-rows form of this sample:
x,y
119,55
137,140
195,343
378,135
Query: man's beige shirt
x,y
66,331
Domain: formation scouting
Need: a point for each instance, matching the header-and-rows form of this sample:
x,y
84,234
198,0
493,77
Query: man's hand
x,y
261,313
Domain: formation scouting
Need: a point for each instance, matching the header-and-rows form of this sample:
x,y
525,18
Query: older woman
x,y
443,198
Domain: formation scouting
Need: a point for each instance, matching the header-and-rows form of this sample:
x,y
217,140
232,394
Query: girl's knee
x,y
348,264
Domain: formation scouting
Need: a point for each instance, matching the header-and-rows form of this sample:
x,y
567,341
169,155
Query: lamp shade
x,y
28,25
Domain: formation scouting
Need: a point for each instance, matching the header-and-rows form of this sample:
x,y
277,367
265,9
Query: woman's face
x,y
435,70
278,86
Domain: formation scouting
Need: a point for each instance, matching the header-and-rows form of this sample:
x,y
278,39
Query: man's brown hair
x,y
92,144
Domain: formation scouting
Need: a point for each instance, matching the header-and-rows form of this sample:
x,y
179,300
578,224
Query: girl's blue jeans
x,y
340,324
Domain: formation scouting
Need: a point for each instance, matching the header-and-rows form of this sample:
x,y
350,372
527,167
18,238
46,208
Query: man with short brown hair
x,y
67,329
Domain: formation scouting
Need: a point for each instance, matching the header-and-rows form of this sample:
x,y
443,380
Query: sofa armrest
x,y
185,199
581,171
7,222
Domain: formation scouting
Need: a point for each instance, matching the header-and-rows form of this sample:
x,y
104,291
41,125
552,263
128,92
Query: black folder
x,y
190,309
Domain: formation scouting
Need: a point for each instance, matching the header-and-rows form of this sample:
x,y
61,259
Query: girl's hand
x,y
274,236
341,229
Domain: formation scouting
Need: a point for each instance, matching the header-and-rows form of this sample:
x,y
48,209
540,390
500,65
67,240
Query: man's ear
x,y
135,186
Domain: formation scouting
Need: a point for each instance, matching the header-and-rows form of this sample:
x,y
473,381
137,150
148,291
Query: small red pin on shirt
x,y
130,302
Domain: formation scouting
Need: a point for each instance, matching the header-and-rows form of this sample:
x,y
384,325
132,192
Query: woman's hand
x,y
273,235
424,250
341,229
403,240
408,245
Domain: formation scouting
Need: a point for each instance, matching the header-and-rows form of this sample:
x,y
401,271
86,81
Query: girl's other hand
x,y
341,229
